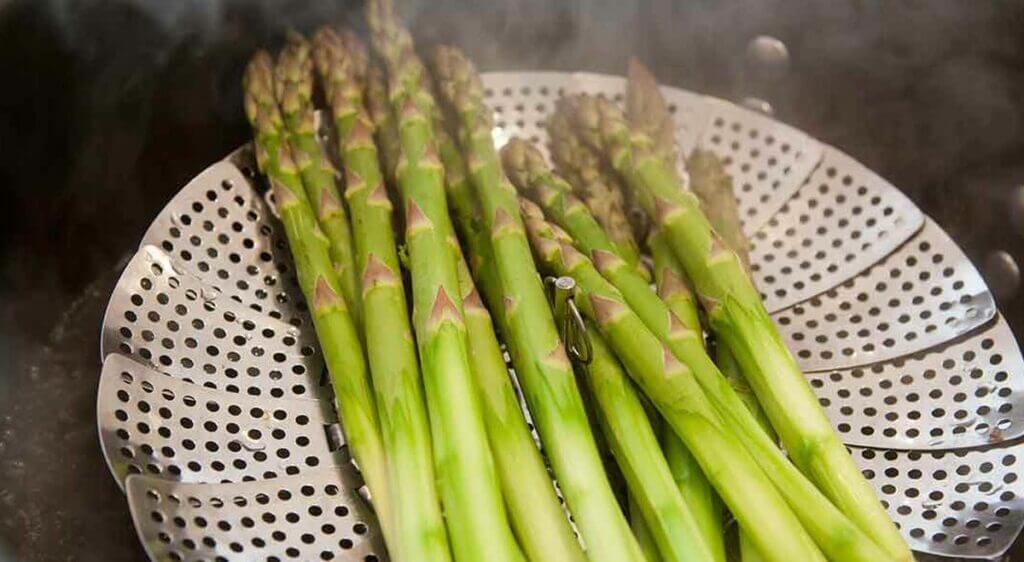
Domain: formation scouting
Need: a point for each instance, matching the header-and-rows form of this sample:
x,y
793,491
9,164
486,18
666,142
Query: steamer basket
x,y
216,418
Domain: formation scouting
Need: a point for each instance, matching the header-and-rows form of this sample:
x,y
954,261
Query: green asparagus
x,y
735,312
419,528
670,385
634,444
537,516
470,488
293,82
598,190
538,354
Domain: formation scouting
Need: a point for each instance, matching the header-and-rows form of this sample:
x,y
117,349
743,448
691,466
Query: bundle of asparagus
x,y
425,397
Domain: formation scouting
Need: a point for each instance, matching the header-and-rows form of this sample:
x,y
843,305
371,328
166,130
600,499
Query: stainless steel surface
x,y
914,293
317,515
842,221
154,424
966,504
969,393
922,295
219,228
163,316
768,161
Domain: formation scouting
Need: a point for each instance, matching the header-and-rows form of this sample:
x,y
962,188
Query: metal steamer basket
x,y
215,416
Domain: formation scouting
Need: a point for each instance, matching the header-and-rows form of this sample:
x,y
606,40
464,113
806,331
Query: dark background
x,y
107,108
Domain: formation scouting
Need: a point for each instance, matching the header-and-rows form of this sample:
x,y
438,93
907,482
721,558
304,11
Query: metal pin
x,y
568,318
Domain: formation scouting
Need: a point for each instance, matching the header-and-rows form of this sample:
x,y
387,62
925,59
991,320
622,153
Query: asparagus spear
x,y
378,105
735,312
648,113
293,82
642,531
419,528
537,516
672,525
581,166
338,336
470,490
670,385
713,186
538,354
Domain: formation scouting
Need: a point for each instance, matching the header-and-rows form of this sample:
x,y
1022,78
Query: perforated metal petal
x,y
922,295
969,393
842,221
220,228
768,161
163,316
317,515
965,504
155,424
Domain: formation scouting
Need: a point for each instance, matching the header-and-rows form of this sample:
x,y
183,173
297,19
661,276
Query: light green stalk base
x,y
636,449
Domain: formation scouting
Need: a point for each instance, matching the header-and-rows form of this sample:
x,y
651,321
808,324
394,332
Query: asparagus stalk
x,y
581,166
538,354
670,385
735,312
470,489
377,103
293,77
672,526
648,113
335,329
537,516
419,528
642,531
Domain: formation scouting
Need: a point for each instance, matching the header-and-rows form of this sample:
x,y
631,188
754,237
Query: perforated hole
x,y
843,220
310,517
950,503
920,296
152,423
224,345
219,227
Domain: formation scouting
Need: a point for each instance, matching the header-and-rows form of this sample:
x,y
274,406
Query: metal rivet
x,y
768,54
1002,274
